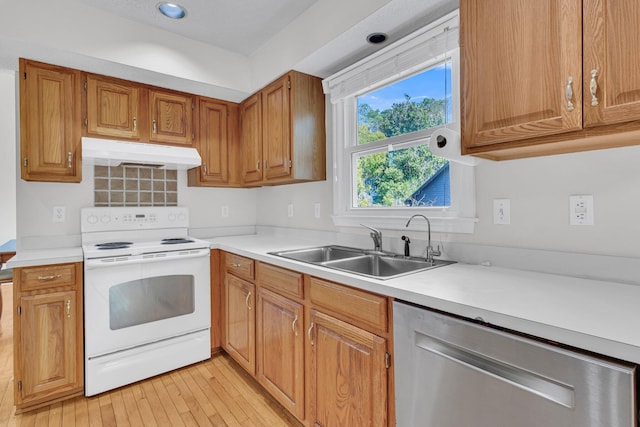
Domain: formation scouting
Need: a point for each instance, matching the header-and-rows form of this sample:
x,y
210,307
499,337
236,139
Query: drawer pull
x,y
135,124
69,159
309,333
246,301
293,325
68,306
569,93
593,87
50,277
237,265
154,127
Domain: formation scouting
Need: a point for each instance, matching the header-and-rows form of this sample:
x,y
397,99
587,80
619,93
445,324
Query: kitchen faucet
x,y
430,251
376,235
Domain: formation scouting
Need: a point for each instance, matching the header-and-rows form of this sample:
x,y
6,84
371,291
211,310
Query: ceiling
x,y
240,26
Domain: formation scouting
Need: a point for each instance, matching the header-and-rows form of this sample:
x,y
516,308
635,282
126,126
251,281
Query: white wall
x,y
539,190
8,156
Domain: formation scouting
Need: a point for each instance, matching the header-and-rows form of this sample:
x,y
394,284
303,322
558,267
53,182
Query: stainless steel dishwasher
x,y
454,373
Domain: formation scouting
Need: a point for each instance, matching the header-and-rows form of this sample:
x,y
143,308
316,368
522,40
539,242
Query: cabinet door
x,y
49,346
348,374
240,322
280,350
171,118
611,80
251,137
213,142
276,129
113,108
521,68
50,122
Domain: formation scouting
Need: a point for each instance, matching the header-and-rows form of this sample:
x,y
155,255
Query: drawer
x,y
240,266
280,280
361,308
47,276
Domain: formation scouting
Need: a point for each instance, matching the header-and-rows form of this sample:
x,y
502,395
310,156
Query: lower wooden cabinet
x,y
280,349
321,349
48,345
348,374
239,321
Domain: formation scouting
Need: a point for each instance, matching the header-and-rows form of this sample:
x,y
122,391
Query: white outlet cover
x,y
59,214
581,209
224,212
316,210
290,210
502,211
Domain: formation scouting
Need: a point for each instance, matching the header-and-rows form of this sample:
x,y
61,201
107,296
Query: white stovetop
x,y
598,316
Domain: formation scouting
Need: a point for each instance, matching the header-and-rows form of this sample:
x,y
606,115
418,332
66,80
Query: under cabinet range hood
x,y
109,152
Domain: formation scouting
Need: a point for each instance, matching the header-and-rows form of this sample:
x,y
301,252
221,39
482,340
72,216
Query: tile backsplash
x,y
135,186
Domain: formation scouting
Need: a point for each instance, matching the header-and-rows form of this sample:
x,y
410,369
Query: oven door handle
x,y
90,264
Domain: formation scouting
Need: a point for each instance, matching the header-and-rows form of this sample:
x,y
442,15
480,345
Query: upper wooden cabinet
x,y
291,121
251,139
529,70
218,144
171,117
611,64
49,122
113,107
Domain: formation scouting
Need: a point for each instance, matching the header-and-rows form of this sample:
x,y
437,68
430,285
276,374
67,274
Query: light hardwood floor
x,y
211,393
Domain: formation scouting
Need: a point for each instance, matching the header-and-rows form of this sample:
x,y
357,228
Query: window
x,y
402,173
385,109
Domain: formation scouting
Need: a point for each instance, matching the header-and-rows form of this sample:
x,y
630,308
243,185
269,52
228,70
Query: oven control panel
x,y
133,218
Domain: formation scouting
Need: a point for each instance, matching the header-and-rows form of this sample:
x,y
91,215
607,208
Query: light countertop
x,y
599,316
31,257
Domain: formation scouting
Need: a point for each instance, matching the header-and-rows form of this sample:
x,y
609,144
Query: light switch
x,y
502,211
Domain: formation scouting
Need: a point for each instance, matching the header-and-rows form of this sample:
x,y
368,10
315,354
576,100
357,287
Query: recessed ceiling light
x,y
172,10
377,38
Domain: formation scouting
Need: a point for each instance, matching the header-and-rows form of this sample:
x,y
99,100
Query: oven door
x,y
136,300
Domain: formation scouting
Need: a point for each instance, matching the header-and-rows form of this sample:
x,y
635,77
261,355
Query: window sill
x,y
439,224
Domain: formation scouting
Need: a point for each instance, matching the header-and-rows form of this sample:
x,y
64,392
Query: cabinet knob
x,y
593,87
309,333
246,301
50,277
569,93
293,325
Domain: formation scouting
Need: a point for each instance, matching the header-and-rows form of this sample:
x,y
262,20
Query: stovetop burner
x,y
176,240
114,245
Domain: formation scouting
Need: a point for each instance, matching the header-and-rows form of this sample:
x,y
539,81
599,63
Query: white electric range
x,y
147,307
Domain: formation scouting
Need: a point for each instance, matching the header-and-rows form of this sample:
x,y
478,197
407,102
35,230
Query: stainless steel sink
x,y
320,254
360,261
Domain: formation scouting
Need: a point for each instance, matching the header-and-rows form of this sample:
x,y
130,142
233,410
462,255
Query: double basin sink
x,y
378,265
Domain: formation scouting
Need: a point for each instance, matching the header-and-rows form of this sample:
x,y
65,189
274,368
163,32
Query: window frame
x,y
459,217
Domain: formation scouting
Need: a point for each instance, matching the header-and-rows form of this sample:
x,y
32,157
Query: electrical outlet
x,y
316,210
502,211
224,212
290,210
59,214
581,209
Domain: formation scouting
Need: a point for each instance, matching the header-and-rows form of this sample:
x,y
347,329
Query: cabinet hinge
x,y
85,122
85,86
19,310
193,136
193,106
25,162
19,385
387,360
288,84
25,75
